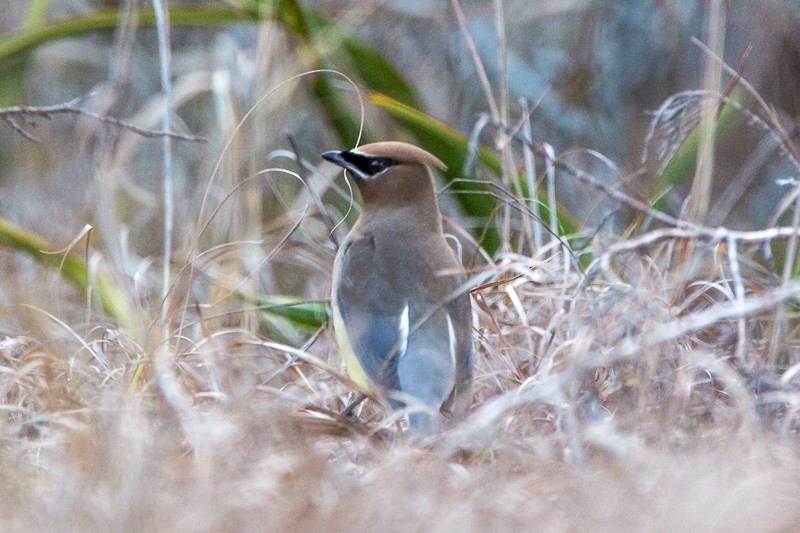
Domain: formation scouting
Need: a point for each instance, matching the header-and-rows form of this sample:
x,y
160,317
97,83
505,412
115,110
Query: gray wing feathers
x,y
371,313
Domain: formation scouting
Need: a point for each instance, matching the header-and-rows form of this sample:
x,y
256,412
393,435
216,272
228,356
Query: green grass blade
x,y
28,39
37,11
113,300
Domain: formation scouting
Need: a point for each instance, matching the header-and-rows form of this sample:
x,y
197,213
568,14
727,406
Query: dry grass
x,y
566,433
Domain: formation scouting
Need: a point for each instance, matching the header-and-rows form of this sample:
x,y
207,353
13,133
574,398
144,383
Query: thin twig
x,y
772,115
530,171
476,58
164,53
704,169
323,212
739,293
73,108
549,161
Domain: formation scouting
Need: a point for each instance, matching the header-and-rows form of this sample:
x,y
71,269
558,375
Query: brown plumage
x,y
401,312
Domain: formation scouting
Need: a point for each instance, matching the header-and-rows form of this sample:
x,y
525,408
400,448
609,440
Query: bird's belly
x,y
354,368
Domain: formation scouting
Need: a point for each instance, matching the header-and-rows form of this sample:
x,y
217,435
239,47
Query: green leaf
x,y
307,315
377,74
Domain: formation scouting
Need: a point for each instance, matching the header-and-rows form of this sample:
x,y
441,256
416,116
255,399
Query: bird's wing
x,y
459,313
374,315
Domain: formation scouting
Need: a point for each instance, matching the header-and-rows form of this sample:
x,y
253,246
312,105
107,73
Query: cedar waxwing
x,y
400,312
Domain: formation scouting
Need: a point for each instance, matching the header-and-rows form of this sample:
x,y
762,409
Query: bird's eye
x,y
376,166
365,165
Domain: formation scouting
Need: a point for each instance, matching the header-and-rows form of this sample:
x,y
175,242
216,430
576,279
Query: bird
x,y
402,316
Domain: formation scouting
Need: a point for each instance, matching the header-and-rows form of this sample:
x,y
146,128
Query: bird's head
x,y
370,161
389,172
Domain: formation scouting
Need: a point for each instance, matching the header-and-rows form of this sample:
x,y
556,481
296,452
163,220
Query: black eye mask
x,y
369,166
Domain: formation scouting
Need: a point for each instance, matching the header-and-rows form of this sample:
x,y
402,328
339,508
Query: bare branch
x,y
73,107
19,129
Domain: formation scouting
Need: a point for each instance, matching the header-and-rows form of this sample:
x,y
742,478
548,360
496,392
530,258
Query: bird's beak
x,y
336,158
341,159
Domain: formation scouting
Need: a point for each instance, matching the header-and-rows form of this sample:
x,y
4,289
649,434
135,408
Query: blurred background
x,y
592,71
